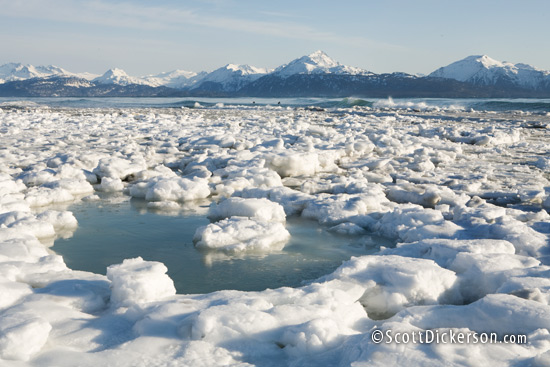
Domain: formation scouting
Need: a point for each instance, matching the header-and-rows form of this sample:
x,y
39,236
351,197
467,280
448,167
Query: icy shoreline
x,y
465,195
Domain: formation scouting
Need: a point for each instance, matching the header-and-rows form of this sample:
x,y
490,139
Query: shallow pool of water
x,y
109,232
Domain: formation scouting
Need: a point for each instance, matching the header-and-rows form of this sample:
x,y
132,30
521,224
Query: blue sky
x,y
148,37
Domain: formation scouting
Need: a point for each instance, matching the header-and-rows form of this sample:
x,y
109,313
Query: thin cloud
x,y
137,16
280,14
120,15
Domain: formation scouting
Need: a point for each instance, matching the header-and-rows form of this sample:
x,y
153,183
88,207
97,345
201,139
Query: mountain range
x,y
314,75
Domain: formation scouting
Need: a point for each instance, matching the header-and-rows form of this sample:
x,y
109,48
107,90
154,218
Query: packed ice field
x,y
464,194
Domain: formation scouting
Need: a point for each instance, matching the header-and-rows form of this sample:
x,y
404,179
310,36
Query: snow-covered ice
x,y
139,281
465,194
260,209
237,234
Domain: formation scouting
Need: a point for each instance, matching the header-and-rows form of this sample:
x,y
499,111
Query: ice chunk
x,y
242,175
300,163
111,184
237,234
60,220
392,283
410,223
171,189
72,185
293,201
498,313
38,177
444,251
481,274
27,223
425,196
138,281
117,167
481,265
42,196
335,209
258,209
490,221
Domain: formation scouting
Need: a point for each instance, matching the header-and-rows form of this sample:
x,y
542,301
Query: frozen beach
x,y
445,205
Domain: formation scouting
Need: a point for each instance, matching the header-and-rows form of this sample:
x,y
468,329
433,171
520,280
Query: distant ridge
x,y
485,71
313,75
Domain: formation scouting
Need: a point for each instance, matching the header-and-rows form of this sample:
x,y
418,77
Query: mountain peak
x,y
115,72
119,77
483,70
231,77
487,61
318,53
321,58
317,62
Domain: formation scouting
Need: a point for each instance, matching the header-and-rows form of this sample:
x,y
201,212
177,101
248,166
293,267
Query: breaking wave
x,y
537,106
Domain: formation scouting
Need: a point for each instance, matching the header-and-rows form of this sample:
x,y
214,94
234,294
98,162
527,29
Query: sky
x,y
149,37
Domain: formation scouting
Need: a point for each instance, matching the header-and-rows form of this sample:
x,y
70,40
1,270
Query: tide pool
x,y
110,231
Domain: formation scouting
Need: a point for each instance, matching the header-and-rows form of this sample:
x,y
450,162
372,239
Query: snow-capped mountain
x,y
173,79
485,71
179,79
314,75
119,77
230,77
17,71
317,63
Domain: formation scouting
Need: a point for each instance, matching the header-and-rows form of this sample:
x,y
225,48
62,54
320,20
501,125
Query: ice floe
x,y
237,234
464,195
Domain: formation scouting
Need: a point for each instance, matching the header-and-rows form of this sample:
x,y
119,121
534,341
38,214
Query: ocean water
x,y
110,231
536,106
